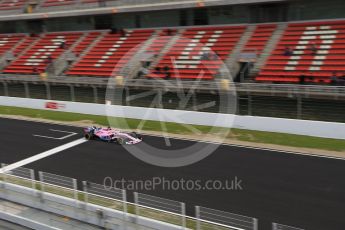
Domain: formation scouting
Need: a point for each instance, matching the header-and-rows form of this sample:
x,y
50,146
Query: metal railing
x,y
276,226
309,102
225,218
144,206
308,90
151,206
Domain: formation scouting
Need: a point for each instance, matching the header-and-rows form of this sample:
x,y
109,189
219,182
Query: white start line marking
x,y
42,155
57,138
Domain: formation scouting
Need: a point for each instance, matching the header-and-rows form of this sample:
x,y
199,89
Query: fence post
x,y
299,107
40,176
32,177
250,112
197,215
95,94
72,92
183,213
255,224
136,202
75,188
86,197
124,200
48,94
5,89
26,89
4,174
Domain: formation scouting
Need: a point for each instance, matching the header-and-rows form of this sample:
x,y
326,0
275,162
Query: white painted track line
x,y
57,138
248,147
42,155
195,140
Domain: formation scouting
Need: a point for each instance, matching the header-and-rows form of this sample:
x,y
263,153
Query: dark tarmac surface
x,y
302,191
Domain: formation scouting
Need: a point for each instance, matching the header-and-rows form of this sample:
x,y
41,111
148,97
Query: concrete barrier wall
x,y
280,125
77,210
25,222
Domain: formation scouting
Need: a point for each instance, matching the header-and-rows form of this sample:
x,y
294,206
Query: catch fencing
x,y
152,206
108,197
57,184
145,207
225,220
15,176
323,103
276,226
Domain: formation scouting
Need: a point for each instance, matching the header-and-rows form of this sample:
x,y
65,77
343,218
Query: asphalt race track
x,y
297,190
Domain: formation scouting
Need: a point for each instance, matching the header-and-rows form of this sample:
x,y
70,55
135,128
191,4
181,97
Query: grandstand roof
x,y
74,8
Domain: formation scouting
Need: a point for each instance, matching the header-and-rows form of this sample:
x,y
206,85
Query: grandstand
x,y
319,66
277,58
106,49
55,56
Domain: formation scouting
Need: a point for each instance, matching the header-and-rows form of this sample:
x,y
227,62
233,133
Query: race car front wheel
x,y
88,136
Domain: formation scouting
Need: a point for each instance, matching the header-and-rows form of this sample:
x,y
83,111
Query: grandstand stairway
x,y
26,44
87,42
268,49
131,68
35,58
110,54
8,44
232,62
162,45
104,54
185,59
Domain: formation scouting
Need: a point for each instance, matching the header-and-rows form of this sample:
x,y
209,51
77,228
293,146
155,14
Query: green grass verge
x,y
175,128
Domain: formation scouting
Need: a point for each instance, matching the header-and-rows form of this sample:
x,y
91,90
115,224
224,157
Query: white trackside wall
x,y
280,125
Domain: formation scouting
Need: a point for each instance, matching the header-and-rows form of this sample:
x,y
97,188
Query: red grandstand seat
x,y
110,54
35,58
185,59
327,37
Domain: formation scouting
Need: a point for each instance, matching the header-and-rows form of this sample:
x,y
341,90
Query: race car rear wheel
x,y
88,136
120,141
136,135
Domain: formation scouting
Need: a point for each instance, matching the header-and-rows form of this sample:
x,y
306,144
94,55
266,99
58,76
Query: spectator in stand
x,y
143,72
214,56
334,79
341,80
302,79
123,32
62,45
313,49
167,73
113,30
157,70
49,59
35,70
166,68
169,32
205,55
311,78
288,51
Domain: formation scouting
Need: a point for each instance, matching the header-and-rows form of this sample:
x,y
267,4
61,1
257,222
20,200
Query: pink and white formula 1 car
x,y
112,135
